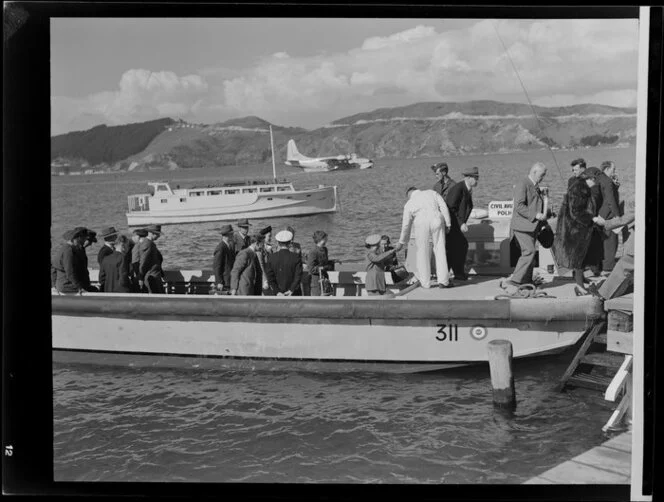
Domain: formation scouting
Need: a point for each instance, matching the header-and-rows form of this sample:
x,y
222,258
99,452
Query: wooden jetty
x,y
610,463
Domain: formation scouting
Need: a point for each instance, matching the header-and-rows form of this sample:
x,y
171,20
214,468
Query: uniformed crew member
x,y
246,276
150,272
427,214
444,182
460,204
108,235
284,268
295,247
114,271
224,258
241,236
66,275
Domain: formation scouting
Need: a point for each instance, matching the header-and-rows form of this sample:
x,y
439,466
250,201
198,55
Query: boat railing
x,y
201,282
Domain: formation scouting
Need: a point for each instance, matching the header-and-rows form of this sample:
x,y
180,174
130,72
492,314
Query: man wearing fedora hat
x,y
150,272
444,183
284,268
66,275
241,238
224,258
460,204
109,235
87,238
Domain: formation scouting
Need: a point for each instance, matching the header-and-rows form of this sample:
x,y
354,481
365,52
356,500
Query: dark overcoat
x,y
114,273
103,253
460,203
578,241
150,260
224,258
284,272
66,273
610,207
444,187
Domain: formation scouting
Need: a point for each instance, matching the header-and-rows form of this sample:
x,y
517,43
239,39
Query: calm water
x,y
120,424
371,200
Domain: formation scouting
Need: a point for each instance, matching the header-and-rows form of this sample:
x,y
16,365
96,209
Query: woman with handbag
x,y
578,242
319,265
377,260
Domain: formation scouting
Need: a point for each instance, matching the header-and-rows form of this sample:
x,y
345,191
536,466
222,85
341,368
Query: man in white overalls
x,y
427,212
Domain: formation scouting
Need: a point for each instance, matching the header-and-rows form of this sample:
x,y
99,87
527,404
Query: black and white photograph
x,y
349,250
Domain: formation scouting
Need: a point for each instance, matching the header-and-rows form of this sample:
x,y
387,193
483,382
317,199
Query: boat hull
x,y
301,203
307,333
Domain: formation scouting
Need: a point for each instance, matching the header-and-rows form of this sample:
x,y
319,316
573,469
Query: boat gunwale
x,y
213,306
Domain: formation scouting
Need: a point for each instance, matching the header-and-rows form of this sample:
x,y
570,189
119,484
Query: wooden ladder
x,y
592,370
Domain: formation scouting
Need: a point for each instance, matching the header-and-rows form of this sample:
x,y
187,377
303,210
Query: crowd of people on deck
x,y
253,264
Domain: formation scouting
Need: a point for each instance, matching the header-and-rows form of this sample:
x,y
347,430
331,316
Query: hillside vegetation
x,y
103,144
419,130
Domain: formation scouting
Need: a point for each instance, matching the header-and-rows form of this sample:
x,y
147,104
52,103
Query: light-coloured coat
x,y
247,276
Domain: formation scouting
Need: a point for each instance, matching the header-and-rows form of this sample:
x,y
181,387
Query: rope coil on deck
x,y
523,291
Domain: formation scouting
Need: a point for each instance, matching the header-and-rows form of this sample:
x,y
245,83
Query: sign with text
x,y
500,208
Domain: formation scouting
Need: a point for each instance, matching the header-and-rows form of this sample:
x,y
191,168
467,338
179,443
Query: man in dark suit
x,y
526,218
66,276
149,268
224,258
444,183
246,276
284,268
460,203
609,209
241,236
109,235
114,269
578,166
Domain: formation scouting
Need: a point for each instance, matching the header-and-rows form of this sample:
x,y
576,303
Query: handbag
x,y
326,288
545,236
399,274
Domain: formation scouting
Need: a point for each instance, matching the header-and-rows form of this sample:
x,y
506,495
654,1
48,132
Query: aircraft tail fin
x,y
292,153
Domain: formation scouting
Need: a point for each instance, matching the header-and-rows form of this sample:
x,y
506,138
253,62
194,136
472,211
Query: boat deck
x,y
487,288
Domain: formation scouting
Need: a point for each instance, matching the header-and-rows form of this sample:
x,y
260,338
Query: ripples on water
x,y
119,424
229,426
371,200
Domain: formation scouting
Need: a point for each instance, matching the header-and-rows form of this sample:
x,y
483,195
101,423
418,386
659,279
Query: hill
x,y
103,144
418,130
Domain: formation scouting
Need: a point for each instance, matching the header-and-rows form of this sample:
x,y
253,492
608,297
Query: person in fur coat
x,y
578,242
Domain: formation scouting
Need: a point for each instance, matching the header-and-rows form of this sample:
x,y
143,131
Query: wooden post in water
x,y
502,380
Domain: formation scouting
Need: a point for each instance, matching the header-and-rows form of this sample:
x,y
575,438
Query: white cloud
x,y
142,95
559,61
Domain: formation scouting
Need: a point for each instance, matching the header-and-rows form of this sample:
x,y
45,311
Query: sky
x,y
310,72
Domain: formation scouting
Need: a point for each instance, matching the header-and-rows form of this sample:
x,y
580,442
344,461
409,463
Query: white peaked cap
x,y
284,236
